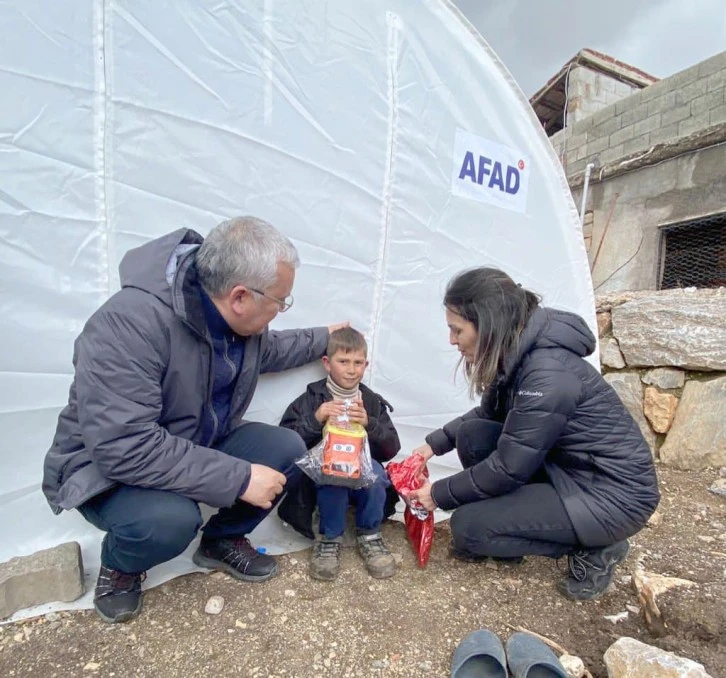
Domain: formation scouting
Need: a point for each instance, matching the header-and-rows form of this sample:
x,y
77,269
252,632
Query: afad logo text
x,y
491,173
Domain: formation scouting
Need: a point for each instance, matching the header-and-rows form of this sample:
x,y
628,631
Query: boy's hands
x,y
332,408
265,484
357,413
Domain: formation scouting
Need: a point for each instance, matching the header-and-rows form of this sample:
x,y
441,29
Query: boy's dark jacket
x,y
298,506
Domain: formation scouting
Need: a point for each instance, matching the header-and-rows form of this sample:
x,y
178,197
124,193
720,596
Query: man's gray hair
x,y
243,251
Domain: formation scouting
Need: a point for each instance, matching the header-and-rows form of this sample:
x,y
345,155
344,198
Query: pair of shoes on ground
x,y
325,557
482,655
118,596
590,571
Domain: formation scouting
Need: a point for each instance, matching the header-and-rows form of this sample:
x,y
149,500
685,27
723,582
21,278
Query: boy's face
x,y
346,368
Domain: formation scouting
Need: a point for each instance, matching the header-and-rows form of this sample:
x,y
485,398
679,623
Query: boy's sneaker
x,y
236,557
378,559
592,570
325,558
118,596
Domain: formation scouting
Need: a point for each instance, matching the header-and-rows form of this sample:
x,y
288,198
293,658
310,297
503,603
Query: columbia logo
x,y
530,393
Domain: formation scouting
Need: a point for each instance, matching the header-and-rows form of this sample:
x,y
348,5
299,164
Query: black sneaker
x,y
118,596
236,557
592,570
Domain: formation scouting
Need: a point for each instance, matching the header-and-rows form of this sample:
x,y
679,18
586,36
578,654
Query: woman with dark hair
x,y
554,464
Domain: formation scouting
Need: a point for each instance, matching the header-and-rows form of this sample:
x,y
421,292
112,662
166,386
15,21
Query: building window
x,y
693,253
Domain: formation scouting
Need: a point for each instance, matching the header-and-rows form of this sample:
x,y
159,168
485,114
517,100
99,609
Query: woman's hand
x,y
423,497
424,451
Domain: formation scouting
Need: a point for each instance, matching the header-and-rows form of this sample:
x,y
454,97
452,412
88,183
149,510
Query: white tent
x,y
385,138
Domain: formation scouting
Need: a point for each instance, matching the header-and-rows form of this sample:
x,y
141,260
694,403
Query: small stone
x,y
655,520
615,618
424,666
371,588
610,354
240,624
92,666
574,666
326,663
379,664
214,605
19,637
629,657
665,378
293,561
491,565
289,593
283,619
633,608
706,539
52,616
718,487
398,558
722,472
250,616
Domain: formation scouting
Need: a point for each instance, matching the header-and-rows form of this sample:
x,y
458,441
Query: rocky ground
x,y
406,626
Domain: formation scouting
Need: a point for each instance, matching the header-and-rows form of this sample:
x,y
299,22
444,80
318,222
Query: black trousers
x,y
531,520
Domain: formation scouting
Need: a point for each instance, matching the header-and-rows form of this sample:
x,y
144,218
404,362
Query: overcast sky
x,y
534,38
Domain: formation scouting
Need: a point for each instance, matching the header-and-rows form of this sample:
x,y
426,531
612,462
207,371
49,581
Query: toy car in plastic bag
x,y
342,457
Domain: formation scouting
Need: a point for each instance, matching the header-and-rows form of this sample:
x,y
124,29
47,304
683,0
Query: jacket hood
x,y
153,266
550,328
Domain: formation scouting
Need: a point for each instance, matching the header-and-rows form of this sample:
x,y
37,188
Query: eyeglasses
x,y
283,304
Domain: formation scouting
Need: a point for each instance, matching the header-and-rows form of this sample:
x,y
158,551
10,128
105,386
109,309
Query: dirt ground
x,y
406,626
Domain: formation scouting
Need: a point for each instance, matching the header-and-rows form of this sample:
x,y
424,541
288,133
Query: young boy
x,y
345,362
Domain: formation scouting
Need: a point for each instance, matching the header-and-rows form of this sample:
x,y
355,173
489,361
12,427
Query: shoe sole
x,y
321,576
612,563
211,564
124,617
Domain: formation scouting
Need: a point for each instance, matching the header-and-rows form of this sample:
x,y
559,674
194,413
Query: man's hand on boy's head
x,y
332,408
357,413
338,326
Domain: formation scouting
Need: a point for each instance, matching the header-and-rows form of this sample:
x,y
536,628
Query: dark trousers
x,y
369,504
531,520
145,527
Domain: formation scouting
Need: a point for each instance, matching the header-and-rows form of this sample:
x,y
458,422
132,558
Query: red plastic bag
x,y
406,476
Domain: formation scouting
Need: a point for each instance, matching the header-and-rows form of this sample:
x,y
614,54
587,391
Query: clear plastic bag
x,y
342,457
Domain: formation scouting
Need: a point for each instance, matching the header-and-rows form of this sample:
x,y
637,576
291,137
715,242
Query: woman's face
x,y
462,334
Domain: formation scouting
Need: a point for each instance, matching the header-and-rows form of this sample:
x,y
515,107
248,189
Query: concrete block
x,y
640,112
621,136
682,78
663,134
628,104
675,114
657,89
575,167
576,140
716,81
597,145
707,102
659,104
693,124
640,143
604,129
692,91
647,125
712,65
43,577
717,115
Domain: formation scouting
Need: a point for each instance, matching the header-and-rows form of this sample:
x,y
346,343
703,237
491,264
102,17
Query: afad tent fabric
x,y
384,137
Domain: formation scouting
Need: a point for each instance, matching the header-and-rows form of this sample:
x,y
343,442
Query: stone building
x,y
649,156
653,156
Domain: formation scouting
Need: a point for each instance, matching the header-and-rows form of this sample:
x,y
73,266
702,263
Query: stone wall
x,y
665,355
674,107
